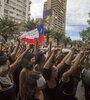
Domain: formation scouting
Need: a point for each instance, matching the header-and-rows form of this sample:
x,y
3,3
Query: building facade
x,y
17,10
59,13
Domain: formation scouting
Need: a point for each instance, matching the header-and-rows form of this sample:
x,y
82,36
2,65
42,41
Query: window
x,y
24,13
6,1
11,12
5,11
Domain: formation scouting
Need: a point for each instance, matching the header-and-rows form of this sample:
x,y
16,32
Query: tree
x,y
29,25
47,34
85,33
8,28
58,36
77,43
67,40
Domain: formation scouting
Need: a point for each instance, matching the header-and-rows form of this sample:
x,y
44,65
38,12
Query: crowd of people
x,y
26,73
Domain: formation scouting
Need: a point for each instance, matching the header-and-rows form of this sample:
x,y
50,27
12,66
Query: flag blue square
x,y
40,30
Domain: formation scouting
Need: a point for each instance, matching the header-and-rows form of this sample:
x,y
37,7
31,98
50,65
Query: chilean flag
x,y
31,35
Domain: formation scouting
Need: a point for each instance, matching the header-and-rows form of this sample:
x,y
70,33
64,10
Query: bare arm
x,y
36,47
47,64
15,51
59,55
67,58
73,67
14,65
49,50
0,45
86,62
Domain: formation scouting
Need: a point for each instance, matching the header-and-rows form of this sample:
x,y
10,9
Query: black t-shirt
x,y
56,93
16,76
8,93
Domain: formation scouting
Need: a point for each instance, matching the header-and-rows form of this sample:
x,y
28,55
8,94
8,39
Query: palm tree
x,y
47,34
29,25
67,40
8,28
58,36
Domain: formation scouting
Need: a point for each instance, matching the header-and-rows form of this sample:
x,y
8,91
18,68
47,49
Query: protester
x,y
7,85
31,83
29,74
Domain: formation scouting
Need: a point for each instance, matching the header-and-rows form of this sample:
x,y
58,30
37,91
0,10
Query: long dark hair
x,y
3,60
39,58
30,85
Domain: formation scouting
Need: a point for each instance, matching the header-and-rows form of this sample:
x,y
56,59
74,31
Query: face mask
x,y
4,68
33,60
41,82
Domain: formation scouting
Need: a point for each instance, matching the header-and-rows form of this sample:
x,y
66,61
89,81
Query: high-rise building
x,y
59,12
45,6
17,10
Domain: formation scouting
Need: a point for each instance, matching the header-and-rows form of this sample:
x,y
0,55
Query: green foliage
x,y
85,34
29,25
77,43
47,33
58,36
8,28
67,41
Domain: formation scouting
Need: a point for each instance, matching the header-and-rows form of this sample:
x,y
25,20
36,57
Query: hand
x,y
73,49
18,39
82,50
65,78
61,46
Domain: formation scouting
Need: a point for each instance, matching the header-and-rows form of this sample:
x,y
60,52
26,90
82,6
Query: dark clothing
x,y
87,93
56,93
8,93
45,97
16,76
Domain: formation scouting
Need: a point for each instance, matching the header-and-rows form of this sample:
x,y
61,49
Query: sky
x,y
76,15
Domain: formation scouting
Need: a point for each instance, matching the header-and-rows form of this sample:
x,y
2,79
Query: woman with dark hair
x,y
26,63
40,61
7,86
31,83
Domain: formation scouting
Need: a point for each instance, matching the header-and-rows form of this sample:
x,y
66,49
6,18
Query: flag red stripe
x,y
32,41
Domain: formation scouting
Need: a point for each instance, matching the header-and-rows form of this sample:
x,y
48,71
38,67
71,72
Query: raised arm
x,y
59,55
47,64
15,50
73,67
67,58
36,47
18,60
86,65
49,50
